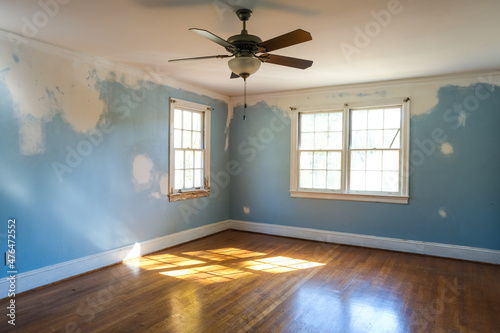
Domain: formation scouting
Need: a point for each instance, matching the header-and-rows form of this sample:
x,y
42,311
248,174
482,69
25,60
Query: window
x,y
353,152
189,158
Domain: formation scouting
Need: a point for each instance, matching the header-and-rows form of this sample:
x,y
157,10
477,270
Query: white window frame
x,y
204,191
344,194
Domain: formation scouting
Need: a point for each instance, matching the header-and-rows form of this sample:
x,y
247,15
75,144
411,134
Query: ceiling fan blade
x,y
234,75
295,37
208,35
287,61
201,58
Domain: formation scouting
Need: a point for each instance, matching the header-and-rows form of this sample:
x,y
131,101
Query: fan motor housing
x,y
245,42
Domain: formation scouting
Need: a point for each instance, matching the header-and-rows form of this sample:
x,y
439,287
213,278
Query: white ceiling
x,y
421,38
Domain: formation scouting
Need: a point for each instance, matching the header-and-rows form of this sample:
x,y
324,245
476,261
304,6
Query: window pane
x,y
321,141
306,160
307,141
390,137
376,119
392,118
196,121
198,178
320,160
305,179
179,159
374,160
186,139
179,179
335,140
197,140
198,159
306,122
373,181
319,179
177,119
177,139
397,142
357,181
358,160
358,119
189,178
334,160
321,122
335,121
390,181
187,120
333,180
375,139
358,139
189,160
391,160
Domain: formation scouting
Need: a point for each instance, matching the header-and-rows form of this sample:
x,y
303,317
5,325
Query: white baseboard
x,y
50,274
395,244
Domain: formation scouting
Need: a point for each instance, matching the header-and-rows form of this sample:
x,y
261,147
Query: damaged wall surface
x,y
84,154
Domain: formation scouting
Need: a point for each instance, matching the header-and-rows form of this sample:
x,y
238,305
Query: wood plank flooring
x,y
244,282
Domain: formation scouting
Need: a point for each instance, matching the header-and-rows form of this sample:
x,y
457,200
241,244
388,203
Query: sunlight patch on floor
x,y
224,254
279,264
164,261
219,272
208,274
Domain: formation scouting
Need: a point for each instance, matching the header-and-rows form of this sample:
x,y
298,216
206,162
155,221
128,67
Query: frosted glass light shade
x,y
244,66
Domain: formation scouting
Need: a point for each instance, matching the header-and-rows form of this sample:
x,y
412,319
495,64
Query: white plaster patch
x,y
246,210
442,212
44,83
142,172
447,148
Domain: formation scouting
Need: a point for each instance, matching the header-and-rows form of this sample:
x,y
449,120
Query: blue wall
x,y
454,197
78,196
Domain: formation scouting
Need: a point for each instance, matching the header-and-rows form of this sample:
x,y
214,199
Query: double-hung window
x,y
189,153
353,152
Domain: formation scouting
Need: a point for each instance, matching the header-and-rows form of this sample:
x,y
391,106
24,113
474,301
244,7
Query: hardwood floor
x,y
244,282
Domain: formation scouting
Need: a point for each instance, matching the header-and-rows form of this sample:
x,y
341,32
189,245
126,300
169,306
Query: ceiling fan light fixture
x,y
244,66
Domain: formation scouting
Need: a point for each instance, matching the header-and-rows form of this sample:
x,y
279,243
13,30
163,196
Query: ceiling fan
x,y
250,51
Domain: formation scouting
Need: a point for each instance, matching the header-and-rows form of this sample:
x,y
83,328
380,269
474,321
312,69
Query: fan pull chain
x,y
245,99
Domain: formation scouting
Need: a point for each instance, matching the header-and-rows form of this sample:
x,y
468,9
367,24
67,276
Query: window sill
x,y
188,195
350,197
